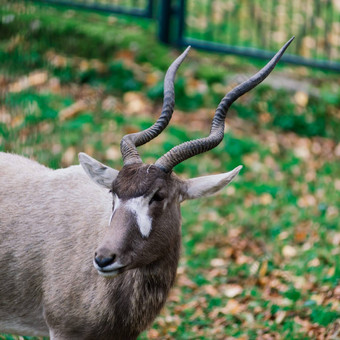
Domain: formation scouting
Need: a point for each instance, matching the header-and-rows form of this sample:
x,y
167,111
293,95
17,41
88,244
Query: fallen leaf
x,y
36,78
318,298
314,263
68,156
307,201
210,290
232,290
233,307
135,103
113,153
263,269
301,98
300,235
153,334
73,110
218,262
279,316
289,251
266,199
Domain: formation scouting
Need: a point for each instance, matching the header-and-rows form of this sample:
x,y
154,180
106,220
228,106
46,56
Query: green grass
x,y
260,258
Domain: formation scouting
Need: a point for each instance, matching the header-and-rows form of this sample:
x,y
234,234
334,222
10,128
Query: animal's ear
x,y
98,172
207,185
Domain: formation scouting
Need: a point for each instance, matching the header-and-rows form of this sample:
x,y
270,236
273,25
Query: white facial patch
x,y
116,205
140,207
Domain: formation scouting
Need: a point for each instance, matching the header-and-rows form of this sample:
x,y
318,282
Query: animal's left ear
x,y
101,174
207,185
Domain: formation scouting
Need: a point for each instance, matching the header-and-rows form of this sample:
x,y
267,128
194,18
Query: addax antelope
x,y
90,252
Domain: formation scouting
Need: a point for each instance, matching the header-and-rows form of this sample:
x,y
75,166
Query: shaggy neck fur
x,y
138,295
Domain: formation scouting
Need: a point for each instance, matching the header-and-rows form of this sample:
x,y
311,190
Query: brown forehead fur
x,y
136,180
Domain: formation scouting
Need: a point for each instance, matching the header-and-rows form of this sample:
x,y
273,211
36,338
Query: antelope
x,y
90,252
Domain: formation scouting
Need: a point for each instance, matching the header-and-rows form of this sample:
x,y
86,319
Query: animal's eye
x,y
157,197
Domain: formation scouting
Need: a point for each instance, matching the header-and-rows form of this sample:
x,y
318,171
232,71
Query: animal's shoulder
x,y
19,163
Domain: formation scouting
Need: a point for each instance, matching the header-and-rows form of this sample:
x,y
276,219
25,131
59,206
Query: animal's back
x,y
20,242
43,214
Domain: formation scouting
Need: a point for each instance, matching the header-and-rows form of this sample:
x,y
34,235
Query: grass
x,y
259,260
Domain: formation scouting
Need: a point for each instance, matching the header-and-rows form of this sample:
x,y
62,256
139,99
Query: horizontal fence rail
x,y
256,28
140,8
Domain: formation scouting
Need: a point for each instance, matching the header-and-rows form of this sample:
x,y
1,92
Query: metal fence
x,y
140,8
257,27
253,28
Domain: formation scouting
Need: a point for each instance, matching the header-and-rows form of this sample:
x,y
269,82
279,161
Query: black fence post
x,y
171,21
164,21
181,12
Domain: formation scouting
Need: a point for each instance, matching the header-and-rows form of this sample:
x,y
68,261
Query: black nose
x,y
102,261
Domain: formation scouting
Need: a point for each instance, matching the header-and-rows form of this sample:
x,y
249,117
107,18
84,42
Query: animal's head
x,y
145,221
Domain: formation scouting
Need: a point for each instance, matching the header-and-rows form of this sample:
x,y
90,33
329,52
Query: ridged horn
x,y
192,148
130,142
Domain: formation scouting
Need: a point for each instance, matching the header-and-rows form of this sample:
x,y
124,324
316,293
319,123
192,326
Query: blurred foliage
x,y
260,260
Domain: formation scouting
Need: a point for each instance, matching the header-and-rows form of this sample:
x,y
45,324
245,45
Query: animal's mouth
x,y
111,270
